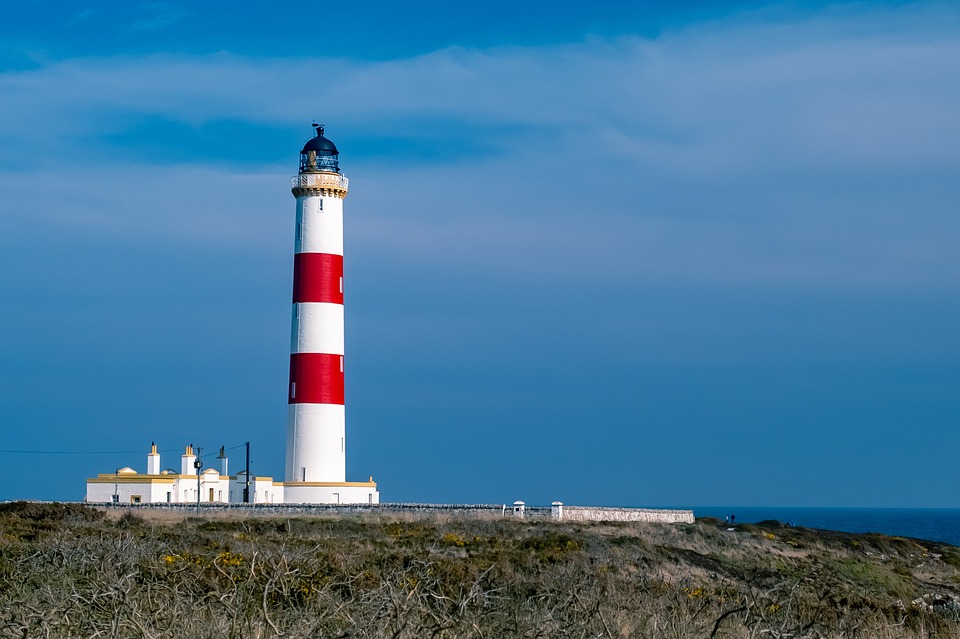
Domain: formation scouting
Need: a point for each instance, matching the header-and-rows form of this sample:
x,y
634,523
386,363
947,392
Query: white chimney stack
x,y
223,462
186,462
153,460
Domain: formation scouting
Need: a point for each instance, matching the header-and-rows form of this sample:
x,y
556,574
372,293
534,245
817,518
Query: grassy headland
x,y
71,571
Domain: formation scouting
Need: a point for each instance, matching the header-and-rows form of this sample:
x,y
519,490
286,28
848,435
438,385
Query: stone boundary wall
x,y
556,512
267,510
590,513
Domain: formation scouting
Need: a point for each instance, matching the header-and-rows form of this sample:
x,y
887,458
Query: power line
x,y
75,452
93,452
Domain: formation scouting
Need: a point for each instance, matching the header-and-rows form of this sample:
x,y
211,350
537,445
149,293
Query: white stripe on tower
x,y
316,450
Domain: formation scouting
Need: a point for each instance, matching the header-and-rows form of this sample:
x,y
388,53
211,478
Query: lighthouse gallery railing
x,y
309,180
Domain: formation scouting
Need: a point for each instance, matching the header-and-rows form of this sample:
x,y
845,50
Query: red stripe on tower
x,y
318,277
316,378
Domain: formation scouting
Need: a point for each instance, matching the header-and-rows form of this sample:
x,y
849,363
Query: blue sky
x,y
656,254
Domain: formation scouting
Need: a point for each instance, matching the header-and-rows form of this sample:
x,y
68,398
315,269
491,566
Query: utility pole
x,y
198,465
246,488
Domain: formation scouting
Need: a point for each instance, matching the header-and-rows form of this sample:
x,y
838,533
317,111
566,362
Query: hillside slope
x,y
66,570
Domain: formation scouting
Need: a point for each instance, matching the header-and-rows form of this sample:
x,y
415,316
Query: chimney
x,y
186,461
223,462
153,460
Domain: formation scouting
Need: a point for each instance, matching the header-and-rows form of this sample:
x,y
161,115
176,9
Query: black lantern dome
x,y
319,154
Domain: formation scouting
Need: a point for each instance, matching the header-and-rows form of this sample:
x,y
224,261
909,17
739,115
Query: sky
x,y
625,254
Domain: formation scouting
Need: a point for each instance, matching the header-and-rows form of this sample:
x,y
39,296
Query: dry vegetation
x,y
69,571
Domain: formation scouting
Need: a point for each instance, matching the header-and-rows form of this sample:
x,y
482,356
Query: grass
x,y
66,570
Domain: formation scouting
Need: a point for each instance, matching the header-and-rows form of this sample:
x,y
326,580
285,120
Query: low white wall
x,y
592,513
569,513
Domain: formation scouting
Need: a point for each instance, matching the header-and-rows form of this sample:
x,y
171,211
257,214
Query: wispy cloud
x,y
804,152
752,92
157,15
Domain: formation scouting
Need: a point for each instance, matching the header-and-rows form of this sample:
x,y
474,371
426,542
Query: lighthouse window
x,y
341,285
293,390
320,204
341,363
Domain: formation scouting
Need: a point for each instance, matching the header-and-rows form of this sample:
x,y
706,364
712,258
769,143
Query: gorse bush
x,y
67,571
30,520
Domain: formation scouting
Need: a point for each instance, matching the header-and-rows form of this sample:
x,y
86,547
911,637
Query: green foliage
x,y
890,579
28,521
551,546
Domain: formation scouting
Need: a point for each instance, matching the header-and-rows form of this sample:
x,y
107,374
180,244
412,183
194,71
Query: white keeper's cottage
x,y
156,486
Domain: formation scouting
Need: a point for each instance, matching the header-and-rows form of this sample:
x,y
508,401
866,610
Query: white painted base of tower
x,y
360,492
315,443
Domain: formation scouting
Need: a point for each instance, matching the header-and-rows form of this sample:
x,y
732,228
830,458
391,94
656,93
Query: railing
x,y
319,180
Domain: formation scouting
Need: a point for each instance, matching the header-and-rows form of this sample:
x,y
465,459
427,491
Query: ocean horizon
x,y
932,524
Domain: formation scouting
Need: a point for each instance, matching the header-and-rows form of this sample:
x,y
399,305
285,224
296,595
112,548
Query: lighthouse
x,y
316,425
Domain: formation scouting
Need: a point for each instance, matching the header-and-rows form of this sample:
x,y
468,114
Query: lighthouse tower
x,y
316,433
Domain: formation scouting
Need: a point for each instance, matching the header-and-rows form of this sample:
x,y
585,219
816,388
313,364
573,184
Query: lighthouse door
x,y
211,494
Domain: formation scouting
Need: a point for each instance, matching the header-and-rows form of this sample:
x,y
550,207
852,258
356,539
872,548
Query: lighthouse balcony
x,y
319,181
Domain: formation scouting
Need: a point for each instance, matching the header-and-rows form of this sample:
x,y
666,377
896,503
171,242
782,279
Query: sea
x,y
932,524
